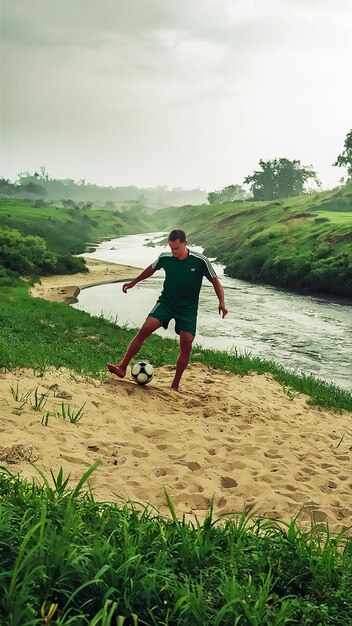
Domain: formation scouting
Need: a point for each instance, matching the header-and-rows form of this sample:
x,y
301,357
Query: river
x,y
303,333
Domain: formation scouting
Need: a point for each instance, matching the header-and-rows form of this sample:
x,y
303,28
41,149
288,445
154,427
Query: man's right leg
x,y
150,325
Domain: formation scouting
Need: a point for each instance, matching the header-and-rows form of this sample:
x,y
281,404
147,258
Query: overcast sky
x,y
185,93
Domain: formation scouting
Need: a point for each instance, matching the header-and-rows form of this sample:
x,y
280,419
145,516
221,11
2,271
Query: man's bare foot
x,y
174,388
117,369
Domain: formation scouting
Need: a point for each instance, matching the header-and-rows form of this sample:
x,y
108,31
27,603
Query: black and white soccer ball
x,y
142,372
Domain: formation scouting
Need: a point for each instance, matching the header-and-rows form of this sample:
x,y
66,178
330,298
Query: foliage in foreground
x,y
36,333
69,560
27,255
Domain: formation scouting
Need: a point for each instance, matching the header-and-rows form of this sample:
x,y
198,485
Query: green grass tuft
x,y
69,560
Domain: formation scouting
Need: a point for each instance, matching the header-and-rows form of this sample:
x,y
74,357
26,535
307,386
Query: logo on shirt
x,y
193,269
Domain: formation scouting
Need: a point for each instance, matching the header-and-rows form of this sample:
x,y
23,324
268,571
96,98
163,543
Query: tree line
x,y
276,178
47,190
280,178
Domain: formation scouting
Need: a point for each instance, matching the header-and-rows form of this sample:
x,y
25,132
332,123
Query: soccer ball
x,y
142,372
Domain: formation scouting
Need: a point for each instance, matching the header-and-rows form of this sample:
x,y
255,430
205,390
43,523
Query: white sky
x,y
185,93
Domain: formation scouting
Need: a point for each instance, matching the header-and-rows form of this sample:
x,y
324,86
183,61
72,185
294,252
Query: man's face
x,y
178,249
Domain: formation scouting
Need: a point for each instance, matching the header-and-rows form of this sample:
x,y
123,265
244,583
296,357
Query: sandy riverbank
x,y
244,440
66,288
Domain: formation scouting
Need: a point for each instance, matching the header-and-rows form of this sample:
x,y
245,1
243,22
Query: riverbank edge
x,y
66,288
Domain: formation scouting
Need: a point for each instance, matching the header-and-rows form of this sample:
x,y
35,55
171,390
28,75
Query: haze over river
x,y
300,332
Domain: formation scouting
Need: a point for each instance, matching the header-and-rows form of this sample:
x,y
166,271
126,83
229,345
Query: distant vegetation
x,y
301,243
40,186
38,240
345,158
280,178
231,193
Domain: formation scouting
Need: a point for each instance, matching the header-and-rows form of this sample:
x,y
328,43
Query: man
x,y
184,271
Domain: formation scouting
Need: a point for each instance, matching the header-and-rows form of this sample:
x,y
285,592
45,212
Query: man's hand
x,y
127,286
149,271
220,294
223,310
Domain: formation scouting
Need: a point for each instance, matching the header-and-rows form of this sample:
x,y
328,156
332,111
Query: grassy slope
x,y
67,230
297,243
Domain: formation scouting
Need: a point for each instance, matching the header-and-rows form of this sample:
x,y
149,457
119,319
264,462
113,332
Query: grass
x,y
38,400
302,243
35,333
67,230
68,560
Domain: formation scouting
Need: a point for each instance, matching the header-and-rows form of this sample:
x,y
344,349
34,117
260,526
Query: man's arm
x,y
149,271
221,296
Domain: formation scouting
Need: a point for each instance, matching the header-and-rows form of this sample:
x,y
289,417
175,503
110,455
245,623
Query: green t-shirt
x,y
183,279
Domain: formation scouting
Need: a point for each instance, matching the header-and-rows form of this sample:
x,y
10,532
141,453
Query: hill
x,y
38,240
302,243
68,229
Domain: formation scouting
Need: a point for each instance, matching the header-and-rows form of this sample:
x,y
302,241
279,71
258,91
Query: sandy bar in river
x,y
65,288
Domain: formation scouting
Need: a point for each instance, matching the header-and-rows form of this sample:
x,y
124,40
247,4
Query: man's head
x,y
178,242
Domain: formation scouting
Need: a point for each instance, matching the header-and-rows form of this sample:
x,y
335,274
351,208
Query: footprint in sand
x,y
290,487
141,454
192,465
72,459
180,485
244,426
61,438
165,447
328,488
309,470
272,454
238,465
150,433
160,471
194,403
227,482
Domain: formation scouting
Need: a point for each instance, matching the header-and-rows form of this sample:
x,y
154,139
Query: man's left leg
x,y
186,340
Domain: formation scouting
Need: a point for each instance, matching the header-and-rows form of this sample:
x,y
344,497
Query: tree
x,y
280,178
7,188
34,188
20,253
227,194
345,158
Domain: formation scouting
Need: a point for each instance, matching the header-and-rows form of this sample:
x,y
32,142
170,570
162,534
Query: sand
x,y
67,288
246,441
243,440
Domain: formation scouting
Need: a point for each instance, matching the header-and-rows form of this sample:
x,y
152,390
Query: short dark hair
x,y
177,233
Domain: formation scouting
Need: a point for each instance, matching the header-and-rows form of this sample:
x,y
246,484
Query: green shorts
x,y
183,321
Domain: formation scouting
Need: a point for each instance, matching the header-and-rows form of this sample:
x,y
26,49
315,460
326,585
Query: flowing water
x,y
303,333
